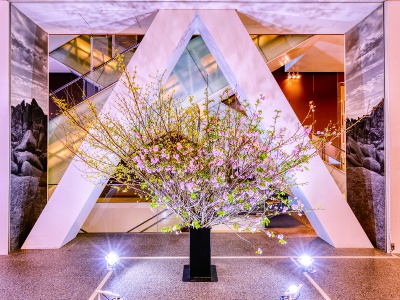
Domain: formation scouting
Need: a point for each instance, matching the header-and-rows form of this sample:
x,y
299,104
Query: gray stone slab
x,y
74,271
359,279
237,279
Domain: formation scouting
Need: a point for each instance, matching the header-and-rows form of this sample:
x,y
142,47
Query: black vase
x,y
200,268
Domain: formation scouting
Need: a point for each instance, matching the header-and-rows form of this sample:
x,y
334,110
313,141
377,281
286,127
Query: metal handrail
x,y
148,227
340,154
93,70
130,230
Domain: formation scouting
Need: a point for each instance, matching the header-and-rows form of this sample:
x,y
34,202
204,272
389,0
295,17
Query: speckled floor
x,y
152,265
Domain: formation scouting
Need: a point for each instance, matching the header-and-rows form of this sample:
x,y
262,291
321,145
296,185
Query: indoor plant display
x,y
208,163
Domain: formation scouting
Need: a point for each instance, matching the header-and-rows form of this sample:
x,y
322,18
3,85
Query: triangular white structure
x,y
246,71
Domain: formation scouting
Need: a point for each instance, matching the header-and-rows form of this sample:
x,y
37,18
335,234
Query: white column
x,y
392,124
4,126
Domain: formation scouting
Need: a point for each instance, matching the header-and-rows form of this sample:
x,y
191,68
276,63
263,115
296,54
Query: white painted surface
x,y
122,217
56,67
259,17
56,41
392,124
338,176
244,69
5,129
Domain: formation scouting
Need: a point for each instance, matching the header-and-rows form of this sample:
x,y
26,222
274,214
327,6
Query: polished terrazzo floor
x,y
152,264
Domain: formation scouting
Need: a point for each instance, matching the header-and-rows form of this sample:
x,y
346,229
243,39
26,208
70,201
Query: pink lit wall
x,y
5,124
392,96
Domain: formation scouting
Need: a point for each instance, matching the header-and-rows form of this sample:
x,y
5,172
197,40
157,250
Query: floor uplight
x,y
108,293
112,259
306,262
292,293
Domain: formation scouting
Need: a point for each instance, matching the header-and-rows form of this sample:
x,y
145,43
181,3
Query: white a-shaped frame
x,y
246,72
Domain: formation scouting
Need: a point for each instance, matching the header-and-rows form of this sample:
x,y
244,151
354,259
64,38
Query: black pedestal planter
x,y
200,268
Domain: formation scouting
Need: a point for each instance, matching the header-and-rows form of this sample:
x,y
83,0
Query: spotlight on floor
x,y
108,293
306,262
112,259
292,293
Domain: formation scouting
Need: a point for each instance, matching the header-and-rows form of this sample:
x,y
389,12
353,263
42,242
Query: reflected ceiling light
x,y
306,262
293,75
292,293
112,259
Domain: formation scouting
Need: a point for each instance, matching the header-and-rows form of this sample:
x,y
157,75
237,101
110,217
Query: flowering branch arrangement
x,y
207,162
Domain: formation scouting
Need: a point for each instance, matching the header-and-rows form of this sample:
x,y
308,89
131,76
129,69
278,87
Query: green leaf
x,y
196,224
263,155
265,221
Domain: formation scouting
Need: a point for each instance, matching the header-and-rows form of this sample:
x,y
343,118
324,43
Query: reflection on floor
x,y
152,264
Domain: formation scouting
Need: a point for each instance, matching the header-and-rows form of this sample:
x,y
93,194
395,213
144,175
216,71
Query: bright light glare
x,y
112,258
293,290
305,260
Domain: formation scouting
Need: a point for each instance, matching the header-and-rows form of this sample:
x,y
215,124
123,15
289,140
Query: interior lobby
x,y
56,227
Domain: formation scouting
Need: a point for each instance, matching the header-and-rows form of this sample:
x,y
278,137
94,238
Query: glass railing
x,y
59,155
271,46
332,155
93,81
85,52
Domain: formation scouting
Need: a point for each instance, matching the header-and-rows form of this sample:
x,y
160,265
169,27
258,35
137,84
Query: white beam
x,y
5,129
392,125
246,71
75,197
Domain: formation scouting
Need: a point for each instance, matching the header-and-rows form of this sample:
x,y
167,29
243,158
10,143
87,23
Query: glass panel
x,y
59,156
194,68
102,50
207,65
271,46
108,74
75,54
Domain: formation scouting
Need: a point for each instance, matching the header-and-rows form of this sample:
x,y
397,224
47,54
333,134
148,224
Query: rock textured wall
x,y
365,159
28,169
29,110
365,172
